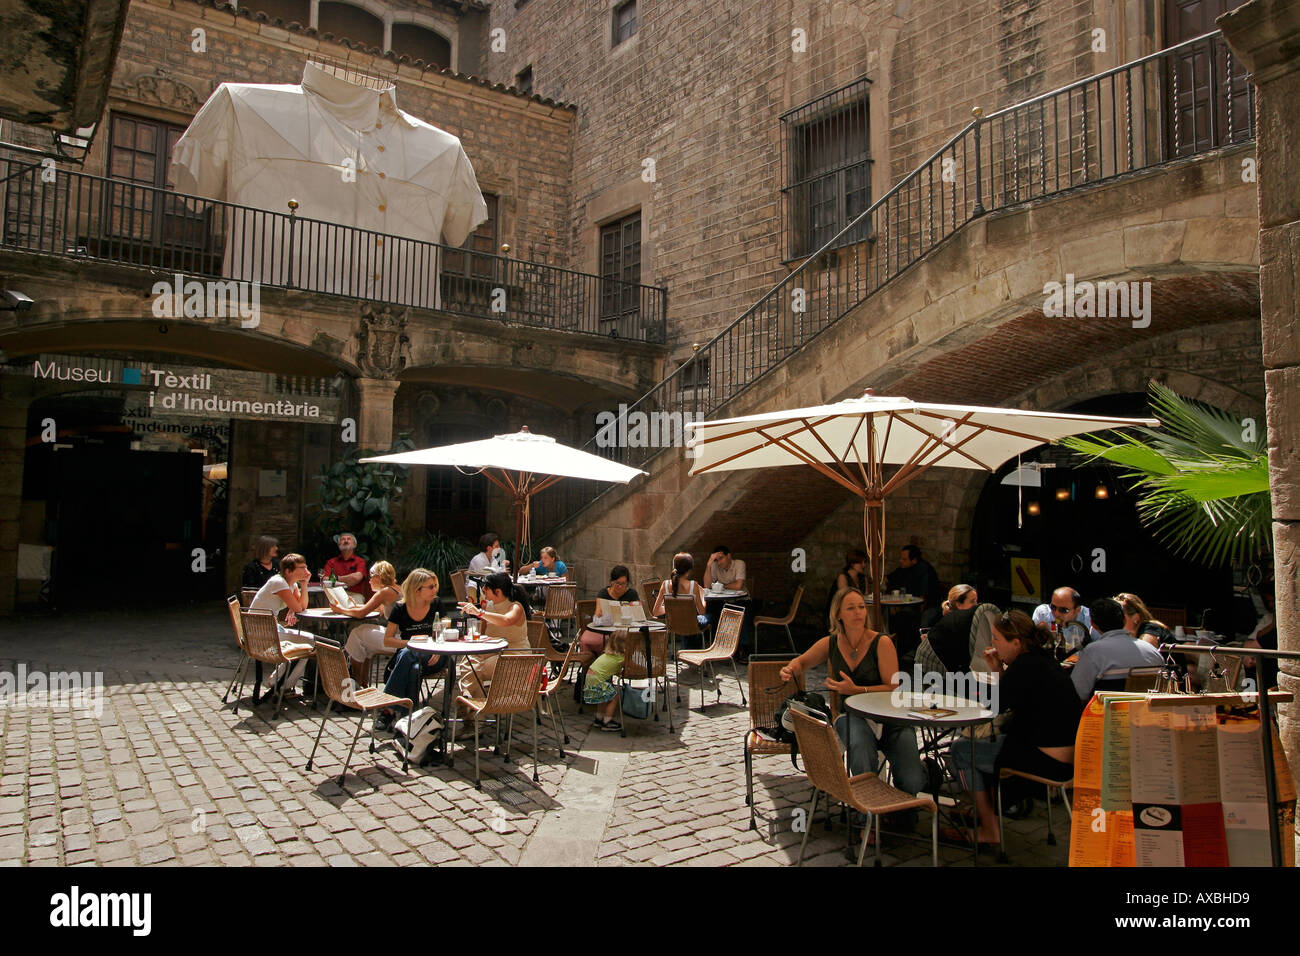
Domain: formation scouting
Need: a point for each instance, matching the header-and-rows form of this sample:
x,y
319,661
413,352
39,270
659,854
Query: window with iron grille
x,y
483,241
620,269
139,159
695,374
827,167
624,21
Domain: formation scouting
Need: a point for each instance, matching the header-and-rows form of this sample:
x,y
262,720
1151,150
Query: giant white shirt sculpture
x,y
350,158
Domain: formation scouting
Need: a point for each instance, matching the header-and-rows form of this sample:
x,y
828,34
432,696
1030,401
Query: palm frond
x,y
1203,486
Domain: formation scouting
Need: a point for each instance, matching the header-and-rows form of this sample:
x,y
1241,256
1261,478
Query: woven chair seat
x,y
475,704
873,795
1008,772
296,652
770,620
372,698
699,657
757,745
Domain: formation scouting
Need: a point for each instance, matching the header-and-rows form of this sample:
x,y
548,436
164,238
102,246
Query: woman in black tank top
x,y
857,662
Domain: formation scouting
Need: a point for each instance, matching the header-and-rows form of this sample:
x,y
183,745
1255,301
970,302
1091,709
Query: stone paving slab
x,y
166,775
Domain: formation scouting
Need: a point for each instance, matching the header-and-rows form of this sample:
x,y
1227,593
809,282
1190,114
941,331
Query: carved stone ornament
x,y
383,341
158,89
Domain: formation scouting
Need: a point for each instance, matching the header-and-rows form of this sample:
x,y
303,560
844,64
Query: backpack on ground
x,y
416,736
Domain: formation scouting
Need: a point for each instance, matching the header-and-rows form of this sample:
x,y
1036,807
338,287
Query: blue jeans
x,y
899,744
408,673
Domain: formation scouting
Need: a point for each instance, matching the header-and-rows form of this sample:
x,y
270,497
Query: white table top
x,y
329,614
880,705
611,628
724,594
488,646
532,579
890,601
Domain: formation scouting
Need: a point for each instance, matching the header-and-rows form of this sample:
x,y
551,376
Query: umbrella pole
x,y
875,534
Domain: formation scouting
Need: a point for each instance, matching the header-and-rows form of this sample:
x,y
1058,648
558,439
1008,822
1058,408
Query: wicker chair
x,y
336,678
767,692
232,603
649,593
725,641
585,611
1005,774
561,606
635,668
680,617
548,694
515,689
262,640
780,621
246,596
866,792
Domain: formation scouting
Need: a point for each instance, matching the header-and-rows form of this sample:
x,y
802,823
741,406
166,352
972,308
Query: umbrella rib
x,y
989,427
842,467
755,430
812,462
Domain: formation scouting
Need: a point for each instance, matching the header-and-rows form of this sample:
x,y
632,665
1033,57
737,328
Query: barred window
x,y
827,167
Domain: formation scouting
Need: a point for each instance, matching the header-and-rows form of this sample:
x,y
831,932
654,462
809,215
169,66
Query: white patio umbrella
x,y
850,442
521,465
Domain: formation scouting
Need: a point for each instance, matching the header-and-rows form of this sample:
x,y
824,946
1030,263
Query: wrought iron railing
x,y
73,214
1180,102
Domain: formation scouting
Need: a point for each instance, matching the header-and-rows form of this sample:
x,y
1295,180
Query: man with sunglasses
x,y
1066,605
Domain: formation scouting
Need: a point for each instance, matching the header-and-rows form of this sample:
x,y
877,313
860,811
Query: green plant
x,y
358,497
440,553
1203,484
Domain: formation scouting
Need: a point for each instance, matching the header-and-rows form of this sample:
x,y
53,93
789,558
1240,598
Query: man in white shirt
x,y
1110,657
724,569
491,557
1066,605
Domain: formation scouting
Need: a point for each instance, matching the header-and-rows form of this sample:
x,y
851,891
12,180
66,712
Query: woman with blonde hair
x,y
368,639
411,617
960,598
1135,612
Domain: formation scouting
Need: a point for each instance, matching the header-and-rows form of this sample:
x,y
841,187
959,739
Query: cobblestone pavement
x,y
167,775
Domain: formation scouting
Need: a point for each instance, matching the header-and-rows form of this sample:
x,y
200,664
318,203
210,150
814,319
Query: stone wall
x,y
700,89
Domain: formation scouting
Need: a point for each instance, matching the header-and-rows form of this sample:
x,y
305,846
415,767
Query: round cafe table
x,y
453,651
927,712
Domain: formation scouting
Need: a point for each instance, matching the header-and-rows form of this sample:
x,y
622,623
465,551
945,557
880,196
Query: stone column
x,y
1265,34
375,425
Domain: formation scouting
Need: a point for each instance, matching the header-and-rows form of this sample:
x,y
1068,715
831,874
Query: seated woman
x,y
681,585
548,565
287,592
618,589
504,617
1038,737
262,568
857,662
946,647
367,640
413,616
852,575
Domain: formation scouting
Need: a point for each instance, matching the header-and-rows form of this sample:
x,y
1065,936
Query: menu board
x,y
1182,785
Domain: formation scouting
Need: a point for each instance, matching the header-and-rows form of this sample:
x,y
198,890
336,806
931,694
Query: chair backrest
x,y
586,611
649,593
246,596
516,683
232,603
1171,616
560,601
634,659
680,612
794,605
261,637
537,635
458,586
822,757
726,637
767,691
332,665
1141,678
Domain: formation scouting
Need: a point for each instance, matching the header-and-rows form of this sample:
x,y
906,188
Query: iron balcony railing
x,y
77,215
1180,102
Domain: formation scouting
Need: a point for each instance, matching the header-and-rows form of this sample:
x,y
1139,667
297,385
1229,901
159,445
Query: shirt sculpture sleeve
x,y
466,207
200,157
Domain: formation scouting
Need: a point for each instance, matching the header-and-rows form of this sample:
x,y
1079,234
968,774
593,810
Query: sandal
x,y
962,837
